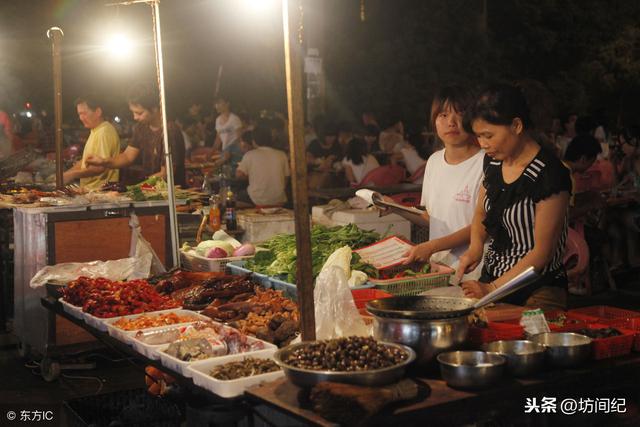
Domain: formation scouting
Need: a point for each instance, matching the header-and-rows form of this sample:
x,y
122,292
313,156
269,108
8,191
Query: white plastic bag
x,y
335,312
119,269
141,249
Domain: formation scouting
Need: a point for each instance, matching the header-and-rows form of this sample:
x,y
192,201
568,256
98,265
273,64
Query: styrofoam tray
x,y
126,336
199,371
181,366
71,309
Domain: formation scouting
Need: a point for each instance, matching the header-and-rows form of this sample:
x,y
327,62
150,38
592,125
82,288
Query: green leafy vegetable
x,y
280,257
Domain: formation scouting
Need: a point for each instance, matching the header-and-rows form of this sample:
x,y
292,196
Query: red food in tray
x,y
105,298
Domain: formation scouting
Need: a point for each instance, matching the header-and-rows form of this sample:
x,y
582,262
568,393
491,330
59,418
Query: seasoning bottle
x,y
230,212
215,221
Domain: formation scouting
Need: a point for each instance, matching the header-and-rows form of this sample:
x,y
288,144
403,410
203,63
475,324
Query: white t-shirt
x,y
450,194
229,130
368,164
267,169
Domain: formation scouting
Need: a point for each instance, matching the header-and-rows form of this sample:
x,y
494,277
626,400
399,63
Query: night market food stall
x,y
228,336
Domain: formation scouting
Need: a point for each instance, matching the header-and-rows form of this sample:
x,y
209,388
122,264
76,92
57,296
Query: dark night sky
x,y
584,53
198,37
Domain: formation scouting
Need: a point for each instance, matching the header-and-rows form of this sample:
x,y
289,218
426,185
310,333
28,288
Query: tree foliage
x,y
584,52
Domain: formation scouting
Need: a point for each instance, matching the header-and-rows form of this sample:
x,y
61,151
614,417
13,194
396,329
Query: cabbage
x,y
341,257
205,247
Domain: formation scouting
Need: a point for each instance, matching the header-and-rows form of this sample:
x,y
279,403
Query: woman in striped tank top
x,y
522,206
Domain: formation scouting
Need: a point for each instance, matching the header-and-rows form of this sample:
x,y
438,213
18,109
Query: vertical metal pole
x,y
293,65
55,34
173,216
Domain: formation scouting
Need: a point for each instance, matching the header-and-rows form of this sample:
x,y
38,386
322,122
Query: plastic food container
x,y
126,336
181,366
71,309
192,261
200,370
604,314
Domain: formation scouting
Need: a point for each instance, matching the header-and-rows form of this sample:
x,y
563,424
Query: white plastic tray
x,y
199,371
151,350
192,261
73,310
96,322
181,365
127,336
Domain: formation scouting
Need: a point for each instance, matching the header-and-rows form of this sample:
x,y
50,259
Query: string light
x,y
301,26
363,17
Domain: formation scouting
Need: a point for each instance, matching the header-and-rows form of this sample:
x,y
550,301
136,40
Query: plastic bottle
x,y
230,212
215,220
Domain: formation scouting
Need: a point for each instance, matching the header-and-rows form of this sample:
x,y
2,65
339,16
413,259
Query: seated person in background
x,y
345,135
371,133
266,169
357,163
407,154
392,135
324,151
148,138
103,141
580,155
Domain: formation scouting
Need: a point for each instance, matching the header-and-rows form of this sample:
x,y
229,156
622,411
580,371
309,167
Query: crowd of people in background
x,y
252,151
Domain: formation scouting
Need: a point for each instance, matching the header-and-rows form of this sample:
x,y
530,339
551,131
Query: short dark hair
x,y
585,124
329,129
345,126
92,101
583,145
371,130
499,104
356,150
261,135
458,97
144,94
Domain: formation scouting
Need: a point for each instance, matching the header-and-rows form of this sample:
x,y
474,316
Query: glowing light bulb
x,y
119,46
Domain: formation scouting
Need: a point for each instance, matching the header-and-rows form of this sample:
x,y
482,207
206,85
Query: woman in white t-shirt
x,y
452,181
357,163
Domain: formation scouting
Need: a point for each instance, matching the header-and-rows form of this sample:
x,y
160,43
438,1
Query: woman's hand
x,y
420,253
467,263
475,289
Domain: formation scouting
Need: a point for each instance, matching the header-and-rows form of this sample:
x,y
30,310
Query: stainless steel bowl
x,y
375,377
427,338
565,349
471,369
524,358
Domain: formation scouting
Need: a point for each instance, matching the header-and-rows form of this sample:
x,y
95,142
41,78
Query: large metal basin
x,y
427,338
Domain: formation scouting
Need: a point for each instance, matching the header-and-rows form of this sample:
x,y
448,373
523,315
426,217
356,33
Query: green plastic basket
x,y
415,285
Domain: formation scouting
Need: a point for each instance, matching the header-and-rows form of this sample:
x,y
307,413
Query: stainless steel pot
x,y
432,325
427,338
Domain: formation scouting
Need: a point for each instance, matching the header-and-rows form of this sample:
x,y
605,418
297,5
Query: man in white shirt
x,y
228,127
266,169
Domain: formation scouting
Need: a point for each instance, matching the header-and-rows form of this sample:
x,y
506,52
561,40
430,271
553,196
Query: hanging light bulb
x,y
118,45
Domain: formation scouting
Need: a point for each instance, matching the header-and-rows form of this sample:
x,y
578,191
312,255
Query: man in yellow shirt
x,y
103,141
